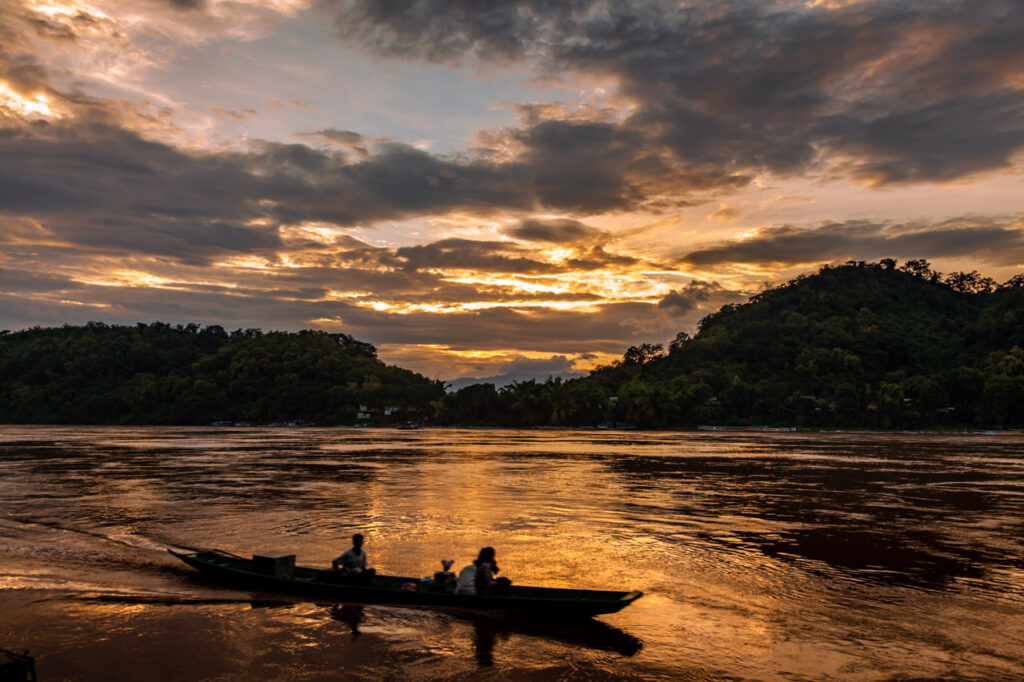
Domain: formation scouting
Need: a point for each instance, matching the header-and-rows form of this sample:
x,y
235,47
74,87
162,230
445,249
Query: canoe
x,y
20,667
310,582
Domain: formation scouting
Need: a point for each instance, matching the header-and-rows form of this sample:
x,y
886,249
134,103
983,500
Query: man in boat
x,y
351,565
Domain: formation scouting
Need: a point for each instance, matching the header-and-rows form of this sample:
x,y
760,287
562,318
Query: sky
x,y
489,189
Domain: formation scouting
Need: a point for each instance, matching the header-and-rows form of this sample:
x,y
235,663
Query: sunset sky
x,y
481,188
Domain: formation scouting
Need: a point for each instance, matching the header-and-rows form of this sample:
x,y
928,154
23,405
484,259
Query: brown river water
x,y
761,556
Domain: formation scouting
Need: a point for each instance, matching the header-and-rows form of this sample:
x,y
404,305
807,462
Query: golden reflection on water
x,y
784,556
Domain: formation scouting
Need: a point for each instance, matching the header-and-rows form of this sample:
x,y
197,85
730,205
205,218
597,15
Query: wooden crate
x,y
277,564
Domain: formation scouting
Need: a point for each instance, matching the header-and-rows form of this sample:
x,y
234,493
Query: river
x,y
761,556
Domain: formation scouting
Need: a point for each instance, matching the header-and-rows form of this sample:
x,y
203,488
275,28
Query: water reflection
x,y
876,556
894,520
591,634
795,555
350,614
490,630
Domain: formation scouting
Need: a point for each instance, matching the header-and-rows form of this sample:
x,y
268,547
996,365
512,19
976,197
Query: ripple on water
x,y
761,555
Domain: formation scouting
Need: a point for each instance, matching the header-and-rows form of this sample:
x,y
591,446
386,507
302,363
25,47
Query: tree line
x,y
189,374
857,345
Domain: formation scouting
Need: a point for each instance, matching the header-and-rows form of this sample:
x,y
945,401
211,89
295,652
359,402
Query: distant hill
x,y
507,379
860,345
159,374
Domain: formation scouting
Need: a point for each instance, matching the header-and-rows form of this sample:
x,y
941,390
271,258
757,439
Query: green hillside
x,y
861,345
159,374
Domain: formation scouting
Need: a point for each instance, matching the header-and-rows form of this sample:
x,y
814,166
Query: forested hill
x,y
159,374
862,345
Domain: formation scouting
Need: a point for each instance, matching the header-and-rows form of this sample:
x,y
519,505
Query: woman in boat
x,y
484,581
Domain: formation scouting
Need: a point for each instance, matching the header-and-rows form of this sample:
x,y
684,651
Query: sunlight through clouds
x,y
465,184
36,106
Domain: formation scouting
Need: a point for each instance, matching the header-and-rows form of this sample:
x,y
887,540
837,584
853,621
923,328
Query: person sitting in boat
x,y
478,578
351,565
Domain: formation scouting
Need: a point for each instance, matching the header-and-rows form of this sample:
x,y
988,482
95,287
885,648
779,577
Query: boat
x,y
19,667
549,602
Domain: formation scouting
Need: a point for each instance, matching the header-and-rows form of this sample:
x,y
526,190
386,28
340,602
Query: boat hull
x,y
314,584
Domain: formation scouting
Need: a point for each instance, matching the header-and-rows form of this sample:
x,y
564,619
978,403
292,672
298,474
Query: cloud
x,y
553,365
345,139
555,231
725,212
915,91
465,254
684,300
98,185
398,181
609,328
231,113
103,174
93,181
281,103
988,239
106,214
24,281
445,280
497,257
458,30
585,167
114,38
522,369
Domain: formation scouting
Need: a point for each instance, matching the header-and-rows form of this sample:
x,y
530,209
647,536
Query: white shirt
x,y
350,562
466,584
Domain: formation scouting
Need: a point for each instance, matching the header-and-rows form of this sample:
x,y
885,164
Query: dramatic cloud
x,y
101,184
686,299
33,282
604,330
889,91
98,185
463,254
559,231
1000,242
562,197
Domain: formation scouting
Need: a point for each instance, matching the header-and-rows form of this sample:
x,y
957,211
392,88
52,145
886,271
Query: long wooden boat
x,y
313,583
17,667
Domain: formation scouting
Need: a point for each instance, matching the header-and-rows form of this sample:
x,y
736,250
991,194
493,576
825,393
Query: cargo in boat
x,y
276,573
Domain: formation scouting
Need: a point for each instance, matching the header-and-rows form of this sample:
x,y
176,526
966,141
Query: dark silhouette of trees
x,y
642,354
865,345
857,345
159,374
969,283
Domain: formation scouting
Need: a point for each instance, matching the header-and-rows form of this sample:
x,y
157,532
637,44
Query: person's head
x,y
486,554
357,540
